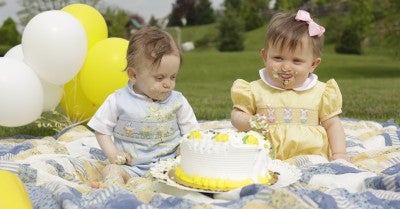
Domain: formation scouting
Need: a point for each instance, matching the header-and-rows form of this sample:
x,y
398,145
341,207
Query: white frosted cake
x,y
223,161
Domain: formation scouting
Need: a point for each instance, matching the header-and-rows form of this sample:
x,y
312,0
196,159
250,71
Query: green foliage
x,y
4,49
288,5
9,33
349,42
233,4
334,27
231,32
355,31
195,12
183,9
204,12
153,21
174,19
251,15
390,26
249,11
116,20
10,36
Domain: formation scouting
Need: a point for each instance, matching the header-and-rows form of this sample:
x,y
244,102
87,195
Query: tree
x,y
291,5
183,9
251,15
204,13
349,42
231,31
388,24
116,20
10,36
355,31
250,11
233,4
30,8
153,21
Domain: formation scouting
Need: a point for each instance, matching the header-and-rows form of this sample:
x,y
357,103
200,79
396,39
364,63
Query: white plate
x,y
163,172
288,174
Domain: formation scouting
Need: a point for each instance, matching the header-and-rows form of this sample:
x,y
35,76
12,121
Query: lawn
x,y
369,83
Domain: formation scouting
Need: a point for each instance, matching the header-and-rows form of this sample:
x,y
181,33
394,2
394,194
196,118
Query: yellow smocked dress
x,y
294,117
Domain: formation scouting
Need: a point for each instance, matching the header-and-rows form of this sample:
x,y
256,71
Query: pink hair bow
x,y
313,28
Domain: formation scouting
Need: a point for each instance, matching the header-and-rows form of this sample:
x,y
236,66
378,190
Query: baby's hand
x,y
259,123
337,156
123,158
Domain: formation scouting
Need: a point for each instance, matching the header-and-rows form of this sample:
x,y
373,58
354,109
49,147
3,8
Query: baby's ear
x,y
315,63
264,54
131,73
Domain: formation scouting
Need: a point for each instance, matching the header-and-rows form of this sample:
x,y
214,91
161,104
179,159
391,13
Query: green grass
x,y
369,83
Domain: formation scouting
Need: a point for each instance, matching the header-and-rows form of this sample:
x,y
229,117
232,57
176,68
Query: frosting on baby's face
x,y
287,68
283,76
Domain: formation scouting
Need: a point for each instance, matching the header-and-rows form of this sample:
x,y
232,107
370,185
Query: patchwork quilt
x,y
57,172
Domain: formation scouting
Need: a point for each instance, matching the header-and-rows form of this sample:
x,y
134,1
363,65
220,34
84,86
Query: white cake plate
x,y
163,171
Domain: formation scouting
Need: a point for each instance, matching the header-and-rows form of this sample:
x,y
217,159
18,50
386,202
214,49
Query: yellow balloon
x,y
91,19
13,194
104,69
75,103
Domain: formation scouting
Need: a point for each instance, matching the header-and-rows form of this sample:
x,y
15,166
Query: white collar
x,y
308,84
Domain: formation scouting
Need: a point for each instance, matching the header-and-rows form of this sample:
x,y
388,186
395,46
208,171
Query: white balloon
x,y
54,45
15,53
52,95
21,93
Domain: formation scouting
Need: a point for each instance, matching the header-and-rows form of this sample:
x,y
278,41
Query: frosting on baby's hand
x,y
121,158
259,122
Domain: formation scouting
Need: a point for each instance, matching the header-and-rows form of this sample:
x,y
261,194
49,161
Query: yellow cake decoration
x,y
221,137
195,135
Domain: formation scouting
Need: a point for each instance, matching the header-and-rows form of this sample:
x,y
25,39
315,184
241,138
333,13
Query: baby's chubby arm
x,y
114,155
336,137
240,120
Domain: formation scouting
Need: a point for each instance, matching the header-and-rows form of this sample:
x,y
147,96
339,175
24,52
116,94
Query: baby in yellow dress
x,y
296,111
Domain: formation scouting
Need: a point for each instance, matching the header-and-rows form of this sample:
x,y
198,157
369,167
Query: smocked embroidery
x,y
303,116
288,115
271,115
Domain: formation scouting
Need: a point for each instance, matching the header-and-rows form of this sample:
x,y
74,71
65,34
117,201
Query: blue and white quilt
x,y
57,172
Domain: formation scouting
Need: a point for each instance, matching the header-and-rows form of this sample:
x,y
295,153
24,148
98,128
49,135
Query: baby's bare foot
x,y
97,185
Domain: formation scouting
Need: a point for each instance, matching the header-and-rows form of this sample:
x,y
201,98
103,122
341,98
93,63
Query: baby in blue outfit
x,y
142,123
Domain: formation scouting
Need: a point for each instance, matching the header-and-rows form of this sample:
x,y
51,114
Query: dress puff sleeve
x,y
331,102
242,96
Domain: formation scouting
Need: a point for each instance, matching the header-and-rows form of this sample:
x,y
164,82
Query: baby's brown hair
x,y
152,44
285,31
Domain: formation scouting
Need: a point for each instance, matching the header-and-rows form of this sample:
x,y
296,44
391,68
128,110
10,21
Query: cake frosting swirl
x,y
223,160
